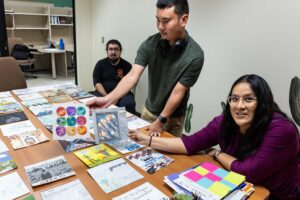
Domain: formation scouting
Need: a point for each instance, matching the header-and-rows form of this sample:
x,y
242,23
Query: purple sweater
x,y
275,163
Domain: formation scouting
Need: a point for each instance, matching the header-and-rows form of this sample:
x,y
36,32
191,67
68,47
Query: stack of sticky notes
x,y
207,181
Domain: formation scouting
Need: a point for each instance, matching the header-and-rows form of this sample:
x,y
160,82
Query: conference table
x,y
52,148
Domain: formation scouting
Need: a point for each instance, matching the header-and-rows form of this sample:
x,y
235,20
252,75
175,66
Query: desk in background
x,y
51,149
58,58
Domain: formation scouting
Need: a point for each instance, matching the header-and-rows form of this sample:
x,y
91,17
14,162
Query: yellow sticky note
x,y
201,170
234,178
219,189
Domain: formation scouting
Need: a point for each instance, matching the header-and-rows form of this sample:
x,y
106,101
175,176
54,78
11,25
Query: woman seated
x,y
256,139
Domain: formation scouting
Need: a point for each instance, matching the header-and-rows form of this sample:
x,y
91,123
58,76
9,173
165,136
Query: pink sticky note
x,y
210,167
192,175
213,177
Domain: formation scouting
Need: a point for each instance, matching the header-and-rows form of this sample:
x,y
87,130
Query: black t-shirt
x,y
109,75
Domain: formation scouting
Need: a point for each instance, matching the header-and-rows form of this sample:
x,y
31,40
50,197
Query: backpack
x,y
20,52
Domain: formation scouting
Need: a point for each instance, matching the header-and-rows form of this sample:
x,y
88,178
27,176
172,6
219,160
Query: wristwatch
x,y
162,119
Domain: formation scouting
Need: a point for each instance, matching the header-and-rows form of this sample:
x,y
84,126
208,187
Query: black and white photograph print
x,y
48,171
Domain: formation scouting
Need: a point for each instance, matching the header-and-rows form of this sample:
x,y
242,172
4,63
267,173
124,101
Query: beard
x,y
114,60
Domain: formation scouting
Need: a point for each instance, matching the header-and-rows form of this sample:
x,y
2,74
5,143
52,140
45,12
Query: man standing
x,y
109,71
174,63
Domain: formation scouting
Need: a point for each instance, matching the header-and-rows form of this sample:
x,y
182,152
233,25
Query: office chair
x,y
11,76
294,99
24,64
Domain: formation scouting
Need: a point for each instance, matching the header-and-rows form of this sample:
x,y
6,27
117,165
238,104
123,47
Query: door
x,y
3,34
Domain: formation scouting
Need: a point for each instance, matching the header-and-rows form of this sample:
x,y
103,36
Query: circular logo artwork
x,y
71,121
61,111
61,121
71,130
81,120
60,130
81,130
71,111
81,110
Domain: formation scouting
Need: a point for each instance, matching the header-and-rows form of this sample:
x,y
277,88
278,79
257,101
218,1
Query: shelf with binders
x,y
61,20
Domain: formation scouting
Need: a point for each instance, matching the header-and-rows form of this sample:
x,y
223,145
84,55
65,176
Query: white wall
x,y
130,22
238,37
83,42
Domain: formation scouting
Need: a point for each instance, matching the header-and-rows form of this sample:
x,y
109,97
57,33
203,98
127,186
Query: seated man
x,y
108,73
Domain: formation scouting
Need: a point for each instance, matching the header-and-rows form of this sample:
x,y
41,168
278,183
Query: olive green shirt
x,y
166,67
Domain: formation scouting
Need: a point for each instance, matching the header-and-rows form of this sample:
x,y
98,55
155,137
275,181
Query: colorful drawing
x,y
209,180
70,122
149,160
26,139
96,155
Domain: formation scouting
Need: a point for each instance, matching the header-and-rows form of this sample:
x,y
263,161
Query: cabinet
x,y
39,25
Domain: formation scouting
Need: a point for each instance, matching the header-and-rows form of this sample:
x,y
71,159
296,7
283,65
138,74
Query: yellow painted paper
x,y
219,189
234,178
201,170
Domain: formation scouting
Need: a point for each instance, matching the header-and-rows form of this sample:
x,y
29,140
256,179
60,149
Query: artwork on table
x,y
96,155
6,162
77,93
17,128
76,144
135,122
110,125
208,180
72,190
60,98
125,146
49,93
27,139
8,105
7,101
47,121
4,94
149,160
71,121
48,171
31,96
114,175
145,191
8,192
12,117
35,102
41,110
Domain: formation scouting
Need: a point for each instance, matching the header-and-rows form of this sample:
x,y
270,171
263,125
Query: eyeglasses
x,y
234,100
113,49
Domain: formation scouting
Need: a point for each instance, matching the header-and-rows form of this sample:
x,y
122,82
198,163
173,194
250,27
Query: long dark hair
x,y
266,106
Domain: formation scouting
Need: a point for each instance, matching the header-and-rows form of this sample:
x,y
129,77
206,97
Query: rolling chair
x,y
11,76
24,64
294,99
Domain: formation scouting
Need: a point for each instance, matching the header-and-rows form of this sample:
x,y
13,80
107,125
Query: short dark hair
x,y
113,41
181,6
266,106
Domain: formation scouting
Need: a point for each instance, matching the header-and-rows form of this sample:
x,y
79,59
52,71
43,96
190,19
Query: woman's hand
x,y
212,152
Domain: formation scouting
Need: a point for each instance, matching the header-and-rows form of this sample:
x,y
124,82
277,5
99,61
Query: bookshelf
x,y
38,24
